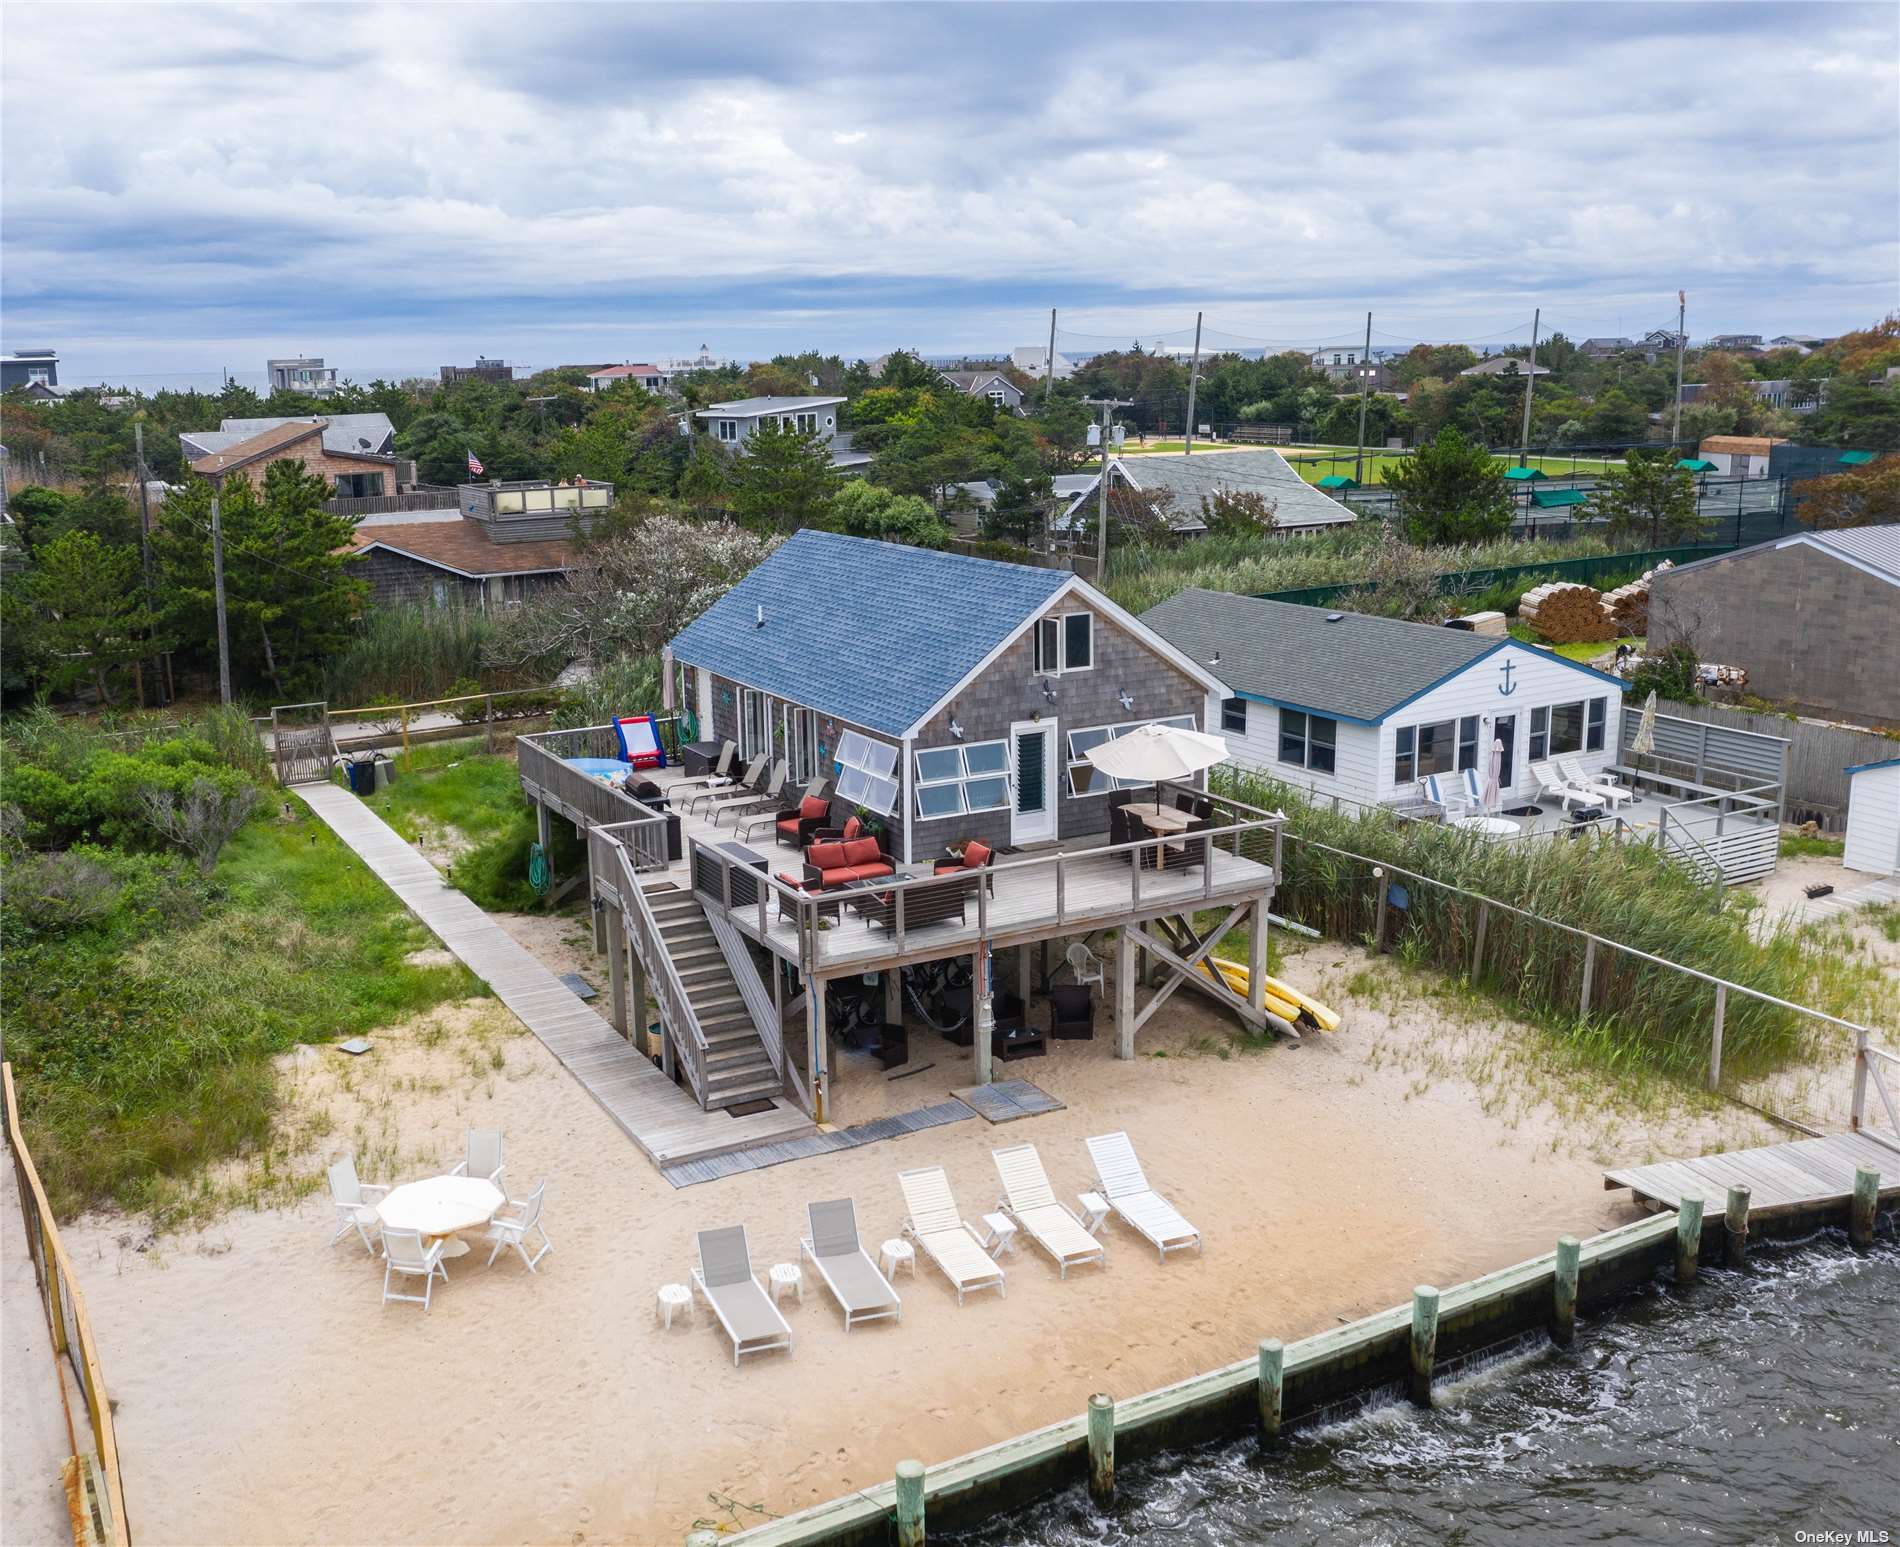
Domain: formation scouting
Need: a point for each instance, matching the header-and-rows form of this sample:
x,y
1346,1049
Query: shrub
x,y
202,819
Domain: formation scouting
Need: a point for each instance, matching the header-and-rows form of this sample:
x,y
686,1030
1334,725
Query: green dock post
x,y
1860,1220
1424,1342
1272,1387
1563,1304
1688,1239
1102,1450
1735,1226
910,1504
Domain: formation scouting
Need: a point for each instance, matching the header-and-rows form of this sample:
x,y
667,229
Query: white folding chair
x,y
484,1157
403,1252
355,1203
1085,964
506,1232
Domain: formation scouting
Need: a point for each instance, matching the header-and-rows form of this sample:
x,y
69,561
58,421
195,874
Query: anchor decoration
x,y
1507,687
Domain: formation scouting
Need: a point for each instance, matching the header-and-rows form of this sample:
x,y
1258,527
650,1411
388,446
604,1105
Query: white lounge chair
x,y
355,1203
1031,1202
1601,785
484,1157
1445,792
862,1292
1138,1204
745,1310
1550,782
403,1252
512,1230
935,1225
748,784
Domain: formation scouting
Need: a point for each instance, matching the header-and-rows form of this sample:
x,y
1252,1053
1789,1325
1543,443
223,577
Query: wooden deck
x,y
1781,1178
660,1117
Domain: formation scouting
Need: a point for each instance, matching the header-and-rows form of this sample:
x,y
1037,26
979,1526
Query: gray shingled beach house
x,y
951,697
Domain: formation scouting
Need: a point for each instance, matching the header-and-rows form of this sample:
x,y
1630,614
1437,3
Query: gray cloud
x,y
604,179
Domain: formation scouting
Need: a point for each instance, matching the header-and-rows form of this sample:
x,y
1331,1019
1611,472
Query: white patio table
x,y
1490,826
441,1206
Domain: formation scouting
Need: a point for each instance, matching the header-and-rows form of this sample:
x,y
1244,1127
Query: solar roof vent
x,y
1334,617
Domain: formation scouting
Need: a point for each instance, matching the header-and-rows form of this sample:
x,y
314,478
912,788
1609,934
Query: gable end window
x,y
1064,643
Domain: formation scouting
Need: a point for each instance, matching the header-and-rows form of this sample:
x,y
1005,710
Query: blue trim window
x,y
1540,734
1594,727
1404,759
1428,749
1233,715
1308,740
1468,742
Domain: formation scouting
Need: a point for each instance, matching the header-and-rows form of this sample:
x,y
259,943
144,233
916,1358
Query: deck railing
x,y
71,1331
611,859
756,898
547,777
1868,1060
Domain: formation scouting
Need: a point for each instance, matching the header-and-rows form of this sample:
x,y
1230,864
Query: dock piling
x,y
1424,1342
1735,1226
910,1504
1688,1239
1102,1449
1563,1308
1272,1387
1860,1219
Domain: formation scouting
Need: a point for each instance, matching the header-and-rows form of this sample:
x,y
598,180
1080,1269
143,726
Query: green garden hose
x,y
538,876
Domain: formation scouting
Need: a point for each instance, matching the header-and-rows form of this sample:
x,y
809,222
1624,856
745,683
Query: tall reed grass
x,y
407,654
1641,1016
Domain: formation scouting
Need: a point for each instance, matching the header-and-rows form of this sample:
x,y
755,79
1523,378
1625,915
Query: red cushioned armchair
x,y
976,856
834,864
796,826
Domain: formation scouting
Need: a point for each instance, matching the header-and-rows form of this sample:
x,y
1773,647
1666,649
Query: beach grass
x,y
1804,846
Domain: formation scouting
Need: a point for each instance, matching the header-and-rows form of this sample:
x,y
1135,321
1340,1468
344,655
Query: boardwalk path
x,y
664,1120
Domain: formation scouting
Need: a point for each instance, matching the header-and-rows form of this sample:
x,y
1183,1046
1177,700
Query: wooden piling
x,y
1563,1300
1735,1226
1102,1450
910,1504
1424,1342
1860,1219
1688,1239
1272,1387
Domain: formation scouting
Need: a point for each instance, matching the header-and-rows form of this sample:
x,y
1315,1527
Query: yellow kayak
x,y
1281,999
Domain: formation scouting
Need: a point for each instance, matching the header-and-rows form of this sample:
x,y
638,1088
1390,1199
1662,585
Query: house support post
x,y
602,931
1125,993
616,944
1025,976
1257,958
544,835
893,996
815,1050
636,995
982,1013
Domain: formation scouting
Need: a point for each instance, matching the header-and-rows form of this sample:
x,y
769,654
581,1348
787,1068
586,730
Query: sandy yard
x,y
265,1395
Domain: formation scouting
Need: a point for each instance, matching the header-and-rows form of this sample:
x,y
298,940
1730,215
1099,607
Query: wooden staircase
x,y
738,1067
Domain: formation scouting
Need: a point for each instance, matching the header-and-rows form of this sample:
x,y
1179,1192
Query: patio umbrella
x,y
1491,791
1645,742
1152,753
666,678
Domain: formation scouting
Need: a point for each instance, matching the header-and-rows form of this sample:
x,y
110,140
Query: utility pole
x,y
1530,381
1365,386
145,546
1049,364
1108,405
1194,376
217,584
1682,312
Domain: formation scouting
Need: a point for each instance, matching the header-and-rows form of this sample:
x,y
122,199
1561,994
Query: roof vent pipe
x,y
759,618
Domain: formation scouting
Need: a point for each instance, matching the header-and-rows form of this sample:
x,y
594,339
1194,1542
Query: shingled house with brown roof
x,y
350,473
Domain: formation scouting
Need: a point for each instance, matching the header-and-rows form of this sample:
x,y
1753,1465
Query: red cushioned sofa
x,y
835,864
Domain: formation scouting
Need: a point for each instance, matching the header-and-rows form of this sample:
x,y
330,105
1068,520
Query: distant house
x,y
501,542
1658,342
731,424
1807,343
481,370
651,378
1811,618
1033,361
1739,456
1735,341
307,374
1363,707
1780,393
352,472
991,682
1003,393
1603,348
1505,365
1298,505
35,371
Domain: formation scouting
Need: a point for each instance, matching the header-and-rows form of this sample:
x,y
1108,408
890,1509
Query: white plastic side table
x,y
671,1298
894,1254
1000,1241
1094,1211
786,1276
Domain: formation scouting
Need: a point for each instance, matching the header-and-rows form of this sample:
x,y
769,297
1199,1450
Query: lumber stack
x,y
1628,606
1565,612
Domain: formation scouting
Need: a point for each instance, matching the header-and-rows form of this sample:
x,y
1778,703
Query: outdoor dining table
x,y
440,1206
1490,826
1158,818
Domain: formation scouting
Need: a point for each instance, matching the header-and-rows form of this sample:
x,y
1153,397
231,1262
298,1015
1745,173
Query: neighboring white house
x,y
1739,456
731,423
303,373
1298,506
1346,704
1033,360
651,377
1873,817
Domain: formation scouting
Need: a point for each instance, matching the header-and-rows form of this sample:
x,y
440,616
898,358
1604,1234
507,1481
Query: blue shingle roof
x,y
873,633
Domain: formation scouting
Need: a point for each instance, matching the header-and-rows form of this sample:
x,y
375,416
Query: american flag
x,y
474,466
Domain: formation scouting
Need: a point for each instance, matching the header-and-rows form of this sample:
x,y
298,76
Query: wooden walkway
x,y
660,1117
1781,1178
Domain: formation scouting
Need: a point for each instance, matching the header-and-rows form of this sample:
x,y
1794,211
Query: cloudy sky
x,y
395,187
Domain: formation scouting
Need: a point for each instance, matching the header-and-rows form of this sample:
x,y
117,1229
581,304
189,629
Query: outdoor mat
x,y
581,987
1007,1100
688,1172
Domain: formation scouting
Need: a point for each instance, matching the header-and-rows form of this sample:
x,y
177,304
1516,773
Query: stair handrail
x,y
678,1019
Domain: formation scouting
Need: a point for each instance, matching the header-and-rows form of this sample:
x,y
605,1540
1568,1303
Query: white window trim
x,y
1306,741
1061,621
1070,762
726,429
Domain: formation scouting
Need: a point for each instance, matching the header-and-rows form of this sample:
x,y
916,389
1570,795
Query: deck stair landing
x,y
664,1120
738,1068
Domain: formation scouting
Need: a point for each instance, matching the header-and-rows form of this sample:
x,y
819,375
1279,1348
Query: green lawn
x,y
1585,650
